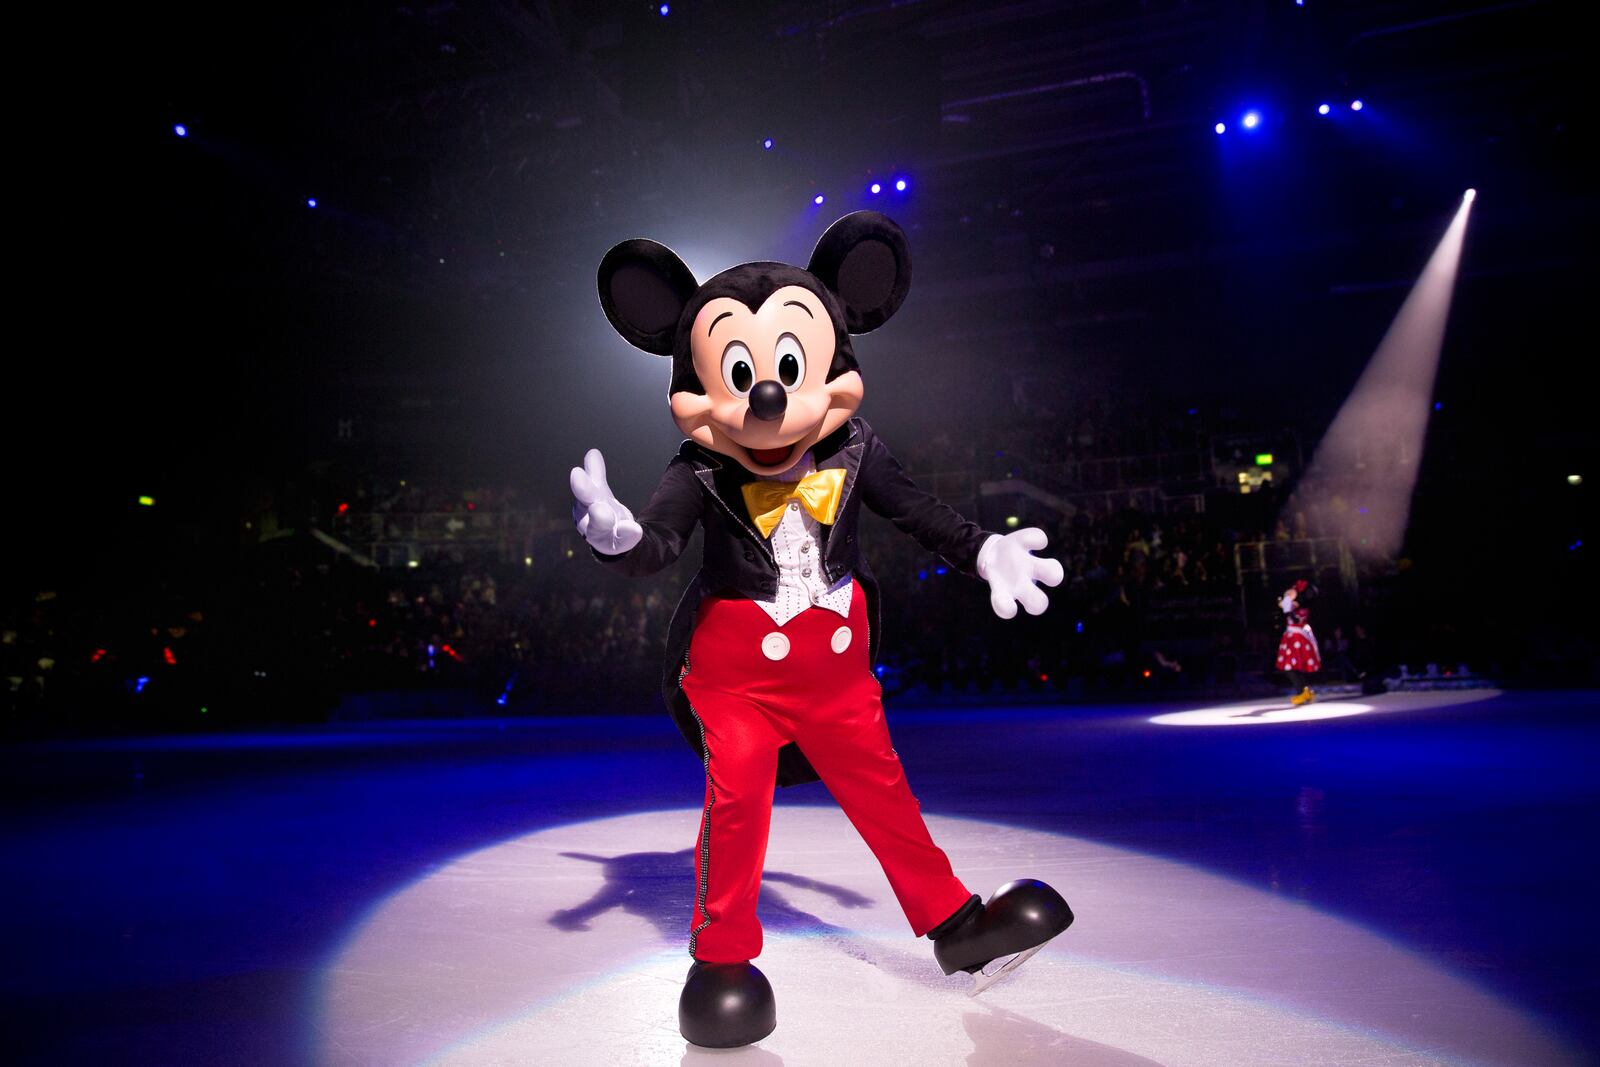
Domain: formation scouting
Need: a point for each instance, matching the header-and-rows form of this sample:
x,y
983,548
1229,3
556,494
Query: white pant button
x,y
841,639
775,646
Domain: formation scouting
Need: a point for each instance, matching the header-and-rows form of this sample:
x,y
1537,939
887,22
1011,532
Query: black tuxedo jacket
x,y
702,488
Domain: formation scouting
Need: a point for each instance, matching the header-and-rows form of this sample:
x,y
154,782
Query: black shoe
x,y
1021,915
725,1005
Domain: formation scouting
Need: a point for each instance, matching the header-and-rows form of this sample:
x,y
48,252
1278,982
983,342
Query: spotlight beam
x,y
1362,476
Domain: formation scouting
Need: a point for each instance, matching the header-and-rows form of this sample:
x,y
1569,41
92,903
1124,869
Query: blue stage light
x,y
1221,127
665,10
1356,105
181,130
900,185
875,188
311,201
767,144
1323,109
818,199
1251,120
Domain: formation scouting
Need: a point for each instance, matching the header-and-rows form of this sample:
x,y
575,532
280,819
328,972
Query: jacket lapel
x,y
848,456
725,491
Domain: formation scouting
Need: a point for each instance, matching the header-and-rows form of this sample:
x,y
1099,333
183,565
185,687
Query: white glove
x,y
602,520
1007,563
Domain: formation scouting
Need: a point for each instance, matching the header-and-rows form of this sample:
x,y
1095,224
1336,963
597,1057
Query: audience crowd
x,y
1147,604
294,629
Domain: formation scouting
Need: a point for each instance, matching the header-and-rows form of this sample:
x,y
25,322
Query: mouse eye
x,y
791,362
738,369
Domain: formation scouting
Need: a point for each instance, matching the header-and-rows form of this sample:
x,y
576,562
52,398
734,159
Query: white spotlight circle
x,y
566,945
1261,713
1470,195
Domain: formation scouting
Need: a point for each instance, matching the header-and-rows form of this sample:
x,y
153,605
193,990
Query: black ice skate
x,y
725,1005
1016,922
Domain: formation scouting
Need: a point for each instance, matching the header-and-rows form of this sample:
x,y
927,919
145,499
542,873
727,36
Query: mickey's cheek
x,y
847,390
844,398
805,411
731,414
693,412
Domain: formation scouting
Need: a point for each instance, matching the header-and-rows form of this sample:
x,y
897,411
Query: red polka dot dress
x,y
1297,651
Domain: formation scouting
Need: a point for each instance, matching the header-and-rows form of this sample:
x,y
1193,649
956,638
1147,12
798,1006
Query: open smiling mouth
x,y
771,457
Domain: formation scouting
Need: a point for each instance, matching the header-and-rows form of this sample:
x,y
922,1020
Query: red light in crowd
x,y
372,622
1044,677
1147,673
166,654
99,654
343,508
471,506
447,650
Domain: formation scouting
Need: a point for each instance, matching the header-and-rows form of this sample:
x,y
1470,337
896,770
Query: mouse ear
x,y
644,288
865,261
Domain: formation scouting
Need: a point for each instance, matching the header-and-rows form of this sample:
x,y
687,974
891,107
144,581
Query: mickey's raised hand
x,y
1014,573
602,520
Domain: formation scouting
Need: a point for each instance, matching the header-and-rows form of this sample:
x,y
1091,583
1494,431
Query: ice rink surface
x,y
1407,882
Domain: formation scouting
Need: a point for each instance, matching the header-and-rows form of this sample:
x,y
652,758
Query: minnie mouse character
x,y
1297,650
769,654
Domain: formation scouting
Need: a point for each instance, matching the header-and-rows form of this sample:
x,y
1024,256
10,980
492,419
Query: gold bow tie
x,y
818,492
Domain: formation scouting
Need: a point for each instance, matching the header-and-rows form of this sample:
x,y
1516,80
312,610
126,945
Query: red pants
x,y
755,686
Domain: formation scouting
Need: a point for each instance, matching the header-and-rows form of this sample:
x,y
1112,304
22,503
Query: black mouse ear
x,y
865,261
644,288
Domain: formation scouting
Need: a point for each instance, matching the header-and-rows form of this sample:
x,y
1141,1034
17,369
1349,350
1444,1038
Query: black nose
x,y
768,401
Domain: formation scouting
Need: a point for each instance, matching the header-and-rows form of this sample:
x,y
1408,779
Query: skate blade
x,y
984,979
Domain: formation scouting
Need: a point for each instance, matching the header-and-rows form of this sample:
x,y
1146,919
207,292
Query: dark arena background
x,y
327,741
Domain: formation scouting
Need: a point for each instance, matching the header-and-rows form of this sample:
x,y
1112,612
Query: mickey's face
x,y
766,399
762,363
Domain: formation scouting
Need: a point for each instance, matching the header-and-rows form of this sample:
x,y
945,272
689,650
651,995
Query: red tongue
x,y
770,457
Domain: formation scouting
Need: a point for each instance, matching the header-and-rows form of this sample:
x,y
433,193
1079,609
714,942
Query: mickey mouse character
x,y
769,654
